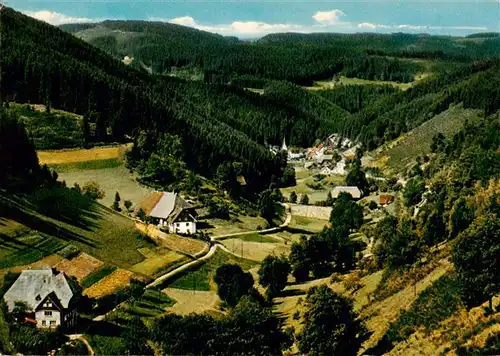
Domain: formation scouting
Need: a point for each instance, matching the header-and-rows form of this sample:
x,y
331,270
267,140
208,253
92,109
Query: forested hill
x,y
146,40
42,64
474,46
299,58
163,46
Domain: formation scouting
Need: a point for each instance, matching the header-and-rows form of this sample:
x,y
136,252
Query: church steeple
x,y
283,146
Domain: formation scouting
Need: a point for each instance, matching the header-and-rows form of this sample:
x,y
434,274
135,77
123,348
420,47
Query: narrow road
x,y
183,267
81,337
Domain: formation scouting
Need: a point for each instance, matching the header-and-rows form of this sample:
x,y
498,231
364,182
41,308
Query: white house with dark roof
x,y
47,295
168,209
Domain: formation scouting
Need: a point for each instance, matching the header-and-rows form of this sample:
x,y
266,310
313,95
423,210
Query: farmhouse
x,y
168,209
354,191
48,297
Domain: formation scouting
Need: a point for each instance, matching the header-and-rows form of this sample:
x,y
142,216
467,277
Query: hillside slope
x,y
401,153
31,229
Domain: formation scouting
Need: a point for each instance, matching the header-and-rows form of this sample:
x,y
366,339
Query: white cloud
x,y
185,21
372,26
328,17
55,18
244,28
410,28
252,27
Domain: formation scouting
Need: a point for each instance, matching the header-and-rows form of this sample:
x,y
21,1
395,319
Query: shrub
x,y
353,282
93,190
127,204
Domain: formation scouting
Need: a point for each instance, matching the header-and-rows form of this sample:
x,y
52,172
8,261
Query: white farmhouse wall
x,y
188,227
40,318
311,211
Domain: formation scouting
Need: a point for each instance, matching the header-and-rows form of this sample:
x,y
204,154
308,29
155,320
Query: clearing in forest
x,y
321,85
81,155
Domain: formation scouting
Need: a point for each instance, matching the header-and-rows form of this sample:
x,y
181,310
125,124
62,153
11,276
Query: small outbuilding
x,y
352,190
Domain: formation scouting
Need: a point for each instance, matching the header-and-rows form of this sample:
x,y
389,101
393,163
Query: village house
x,y
169,210
48,298
385,199
354,191
326,171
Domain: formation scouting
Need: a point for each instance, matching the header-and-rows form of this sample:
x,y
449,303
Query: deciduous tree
x,y
331,326
476,257
232,283
273,274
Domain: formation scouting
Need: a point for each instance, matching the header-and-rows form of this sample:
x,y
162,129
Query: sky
x,y
255,18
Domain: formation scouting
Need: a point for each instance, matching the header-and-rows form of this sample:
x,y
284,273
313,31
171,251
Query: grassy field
x,y
27,249
156,259
151,304
308,224
403,151
258,238
189,301
255,250
219,227
81,155
103,165
95,277
113,282
111,180
201,278
48,227
320,85
85,165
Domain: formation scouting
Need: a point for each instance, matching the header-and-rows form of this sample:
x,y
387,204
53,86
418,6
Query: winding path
x,y
214,245
81,337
